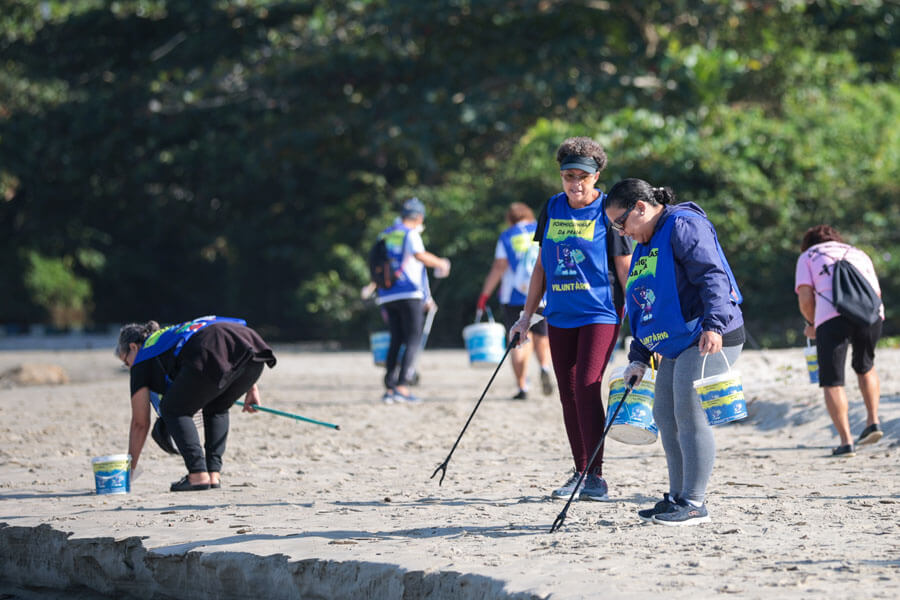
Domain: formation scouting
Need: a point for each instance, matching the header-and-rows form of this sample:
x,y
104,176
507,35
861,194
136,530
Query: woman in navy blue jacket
x,y
682,303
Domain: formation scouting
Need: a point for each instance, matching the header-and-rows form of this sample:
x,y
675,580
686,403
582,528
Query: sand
x,y
309,512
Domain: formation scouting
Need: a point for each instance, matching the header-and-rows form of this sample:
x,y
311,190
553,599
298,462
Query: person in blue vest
x,y
514,258
404,301
683,303
582,270
205,365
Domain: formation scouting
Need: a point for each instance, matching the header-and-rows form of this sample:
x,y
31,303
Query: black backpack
x,y
852,295
380,265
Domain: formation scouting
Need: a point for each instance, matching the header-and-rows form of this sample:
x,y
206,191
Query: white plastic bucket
x,y
812,362
485,342
634,423
112,473
722,395
380,341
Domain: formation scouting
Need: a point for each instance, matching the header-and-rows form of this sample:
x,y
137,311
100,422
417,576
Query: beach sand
x,y
309,512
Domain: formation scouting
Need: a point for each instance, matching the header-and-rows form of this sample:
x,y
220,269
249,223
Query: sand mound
x,y
33,374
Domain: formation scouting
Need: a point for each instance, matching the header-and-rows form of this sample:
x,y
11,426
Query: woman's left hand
x,y
710,342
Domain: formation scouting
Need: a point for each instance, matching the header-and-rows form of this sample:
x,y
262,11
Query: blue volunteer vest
x,y
175,336
395,240
660,326
573,255
516,241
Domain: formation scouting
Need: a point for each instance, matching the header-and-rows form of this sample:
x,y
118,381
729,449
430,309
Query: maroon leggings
x,y
579,356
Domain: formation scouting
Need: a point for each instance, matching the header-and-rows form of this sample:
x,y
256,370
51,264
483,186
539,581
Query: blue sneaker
x,y
406,398
568,487
682,515
388,397
594,488
663,506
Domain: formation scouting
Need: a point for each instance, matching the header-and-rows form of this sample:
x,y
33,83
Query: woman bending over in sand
x,y
206,364
693,310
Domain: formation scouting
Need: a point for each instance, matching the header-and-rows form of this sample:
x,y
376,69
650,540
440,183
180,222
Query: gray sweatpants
x,y
687,437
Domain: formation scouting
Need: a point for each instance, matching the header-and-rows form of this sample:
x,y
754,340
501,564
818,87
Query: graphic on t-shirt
x,y
645,299
521,242
566,260
394,241
522,274
561,229
645,266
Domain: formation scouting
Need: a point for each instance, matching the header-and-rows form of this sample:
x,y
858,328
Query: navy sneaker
x,y
594,488
845,451
870,435
663,506
682,515
522,395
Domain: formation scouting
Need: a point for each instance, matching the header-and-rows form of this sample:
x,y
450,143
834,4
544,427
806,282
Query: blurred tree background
x,y
167,159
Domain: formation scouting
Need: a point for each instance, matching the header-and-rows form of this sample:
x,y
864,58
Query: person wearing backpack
x,y
514,258
823,251
402,295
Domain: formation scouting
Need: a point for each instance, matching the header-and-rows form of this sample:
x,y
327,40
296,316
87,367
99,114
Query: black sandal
x,y
184,485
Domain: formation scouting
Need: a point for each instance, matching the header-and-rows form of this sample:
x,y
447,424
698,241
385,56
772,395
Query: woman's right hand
x,y
634,369
521,328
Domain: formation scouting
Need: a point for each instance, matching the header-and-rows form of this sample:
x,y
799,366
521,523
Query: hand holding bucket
x,y
722,395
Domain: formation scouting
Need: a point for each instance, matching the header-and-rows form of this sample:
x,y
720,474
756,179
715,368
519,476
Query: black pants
x,y
405,320
191,392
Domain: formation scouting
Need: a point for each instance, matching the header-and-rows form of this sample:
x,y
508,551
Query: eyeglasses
x,y
619,223
572,178
124,358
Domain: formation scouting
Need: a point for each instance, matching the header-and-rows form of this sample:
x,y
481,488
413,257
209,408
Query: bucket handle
x,y
703,366
807,343
479,313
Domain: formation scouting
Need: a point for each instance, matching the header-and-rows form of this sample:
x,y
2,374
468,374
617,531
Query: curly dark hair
x,y
819,234
582,146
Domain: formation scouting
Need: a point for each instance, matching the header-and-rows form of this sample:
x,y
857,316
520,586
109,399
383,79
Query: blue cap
x,y
585,163
413,207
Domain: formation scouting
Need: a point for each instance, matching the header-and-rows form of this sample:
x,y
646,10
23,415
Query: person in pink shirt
x,y
821,247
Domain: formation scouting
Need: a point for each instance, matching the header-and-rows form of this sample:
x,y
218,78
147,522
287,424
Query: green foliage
x,y
55,287
238,157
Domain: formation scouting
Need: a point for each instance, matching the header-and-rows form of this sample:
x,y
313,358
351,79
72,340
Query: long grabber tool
x,y
287,414
512,344
560,519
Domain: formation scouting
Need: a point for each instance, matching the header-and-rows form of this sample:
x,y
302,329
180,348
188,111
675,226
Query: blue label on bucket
x,y
812,367
634,424
723,402
116,481
485,343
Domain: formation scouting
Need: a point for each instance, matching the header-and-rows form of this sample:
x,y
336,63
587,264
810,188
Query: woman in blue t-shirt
x,y
581,268
683,303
